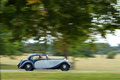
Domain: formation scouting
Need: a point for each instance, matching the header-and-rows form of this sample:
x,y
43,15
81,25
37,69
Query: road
x,y
78,71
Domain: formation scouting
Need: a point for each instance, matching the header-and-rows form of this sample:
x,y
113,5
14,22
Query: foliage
x,y
104,48
53,49
7,48
35,48
71,18
111,55
83,50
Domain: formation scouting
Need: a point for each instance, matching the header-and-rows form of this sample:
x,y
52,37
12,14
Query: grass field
x,y
98,63
58,76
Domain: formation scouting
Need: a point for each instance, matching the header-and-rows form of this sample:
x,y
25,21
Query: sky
x,y
113,40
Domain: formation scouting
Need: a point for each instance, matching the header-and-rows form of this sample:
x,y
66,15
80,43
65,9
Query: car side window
x,y
34,57
38,57
42,57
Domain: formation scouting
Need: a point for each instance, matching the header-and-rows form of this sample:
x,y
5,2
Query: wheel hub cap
x,y
28,66
64,66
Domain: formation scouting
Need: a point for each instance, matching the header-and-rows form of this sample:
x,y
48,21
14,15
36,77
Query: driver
x,y
40,57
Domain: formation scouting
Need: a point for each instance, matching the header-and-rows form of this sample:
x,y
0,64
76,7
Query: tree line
x,y
84,49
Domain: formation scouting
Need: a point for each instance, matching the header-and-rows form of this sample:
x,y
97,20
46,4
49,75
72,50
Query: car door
x,y
54,62
41,63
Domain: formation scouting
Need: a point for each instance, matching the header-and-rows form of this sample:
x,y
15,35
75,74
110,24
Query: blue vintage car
x,y
42,61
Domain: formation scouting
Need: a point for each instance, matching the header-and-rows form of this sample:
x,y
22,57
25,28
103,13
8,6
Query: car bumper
x,y
18,65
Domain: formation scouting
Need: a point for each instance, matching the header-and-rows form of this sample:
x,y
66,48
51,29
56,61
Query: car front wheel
x,y
28,67
65,67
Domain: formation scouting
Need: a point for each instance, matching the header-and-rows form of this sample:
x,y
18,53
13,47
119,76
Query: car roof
x,y
36,54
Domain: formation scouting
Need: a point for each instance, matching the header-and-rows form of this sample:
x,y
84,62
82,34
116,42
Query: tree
x,y
111,54
71,18
7,48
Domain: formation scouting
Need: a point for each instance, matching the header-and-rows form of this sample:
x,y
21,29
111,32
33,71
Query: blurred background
x,y
86,32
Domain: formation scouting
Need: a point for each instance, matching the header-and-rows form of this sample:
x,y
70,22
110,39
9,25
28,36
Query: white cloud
x,y
113,40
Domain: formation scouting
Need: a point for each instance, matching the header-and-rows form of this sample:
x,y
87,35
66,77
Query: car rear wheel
x,y
29,67
65,67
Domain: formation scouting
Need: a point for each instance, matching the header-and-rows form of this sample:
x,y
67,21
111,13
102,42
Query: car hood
x,y
21,61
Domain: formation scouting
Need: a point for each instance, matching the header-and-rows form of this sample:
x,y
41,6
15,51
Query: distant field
x,y
98,63
58,76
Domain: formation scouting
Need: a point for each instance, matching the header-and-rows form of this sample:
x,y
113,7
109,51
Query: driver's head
x,y
40,56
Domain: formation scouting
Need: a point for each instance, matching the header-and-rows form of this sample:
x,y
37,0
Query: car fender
x,y
26,62
66,62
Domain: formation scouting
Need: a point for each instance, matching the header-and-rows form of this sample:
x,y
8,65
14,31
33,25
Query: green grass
x,y
58,76
8,67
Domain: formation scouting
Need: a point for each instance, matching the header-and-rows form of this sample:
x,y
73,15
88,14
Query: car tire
x,y
29,67
64,67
